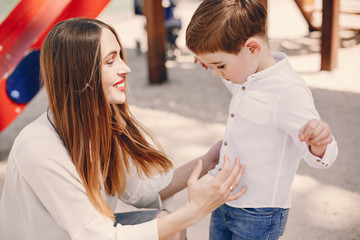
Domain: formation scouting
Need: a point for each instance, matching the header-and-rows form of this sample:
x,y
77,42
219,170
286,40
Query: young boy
x,y
272,122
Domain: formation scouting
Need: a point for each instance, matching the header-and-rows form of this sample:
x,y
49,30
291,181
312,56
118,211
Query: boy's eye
x,y
220,67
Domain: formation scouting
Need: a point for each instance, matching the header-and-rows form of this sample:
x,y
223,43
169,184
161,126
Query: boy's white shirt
x,y
265,116
44,198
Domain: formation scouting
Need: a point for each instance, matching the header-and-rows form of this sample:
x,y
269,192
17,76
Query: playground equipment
x,y
21,36
172,25
329,26
308,9
23,31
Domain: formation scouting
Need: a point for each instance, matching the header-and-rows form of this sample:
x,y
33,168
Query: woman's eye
x,y
110,62
221,66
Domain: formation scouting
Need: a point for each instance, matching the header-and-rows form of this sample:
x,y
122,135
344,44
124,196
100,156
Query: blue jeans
x,y
247,223
136,217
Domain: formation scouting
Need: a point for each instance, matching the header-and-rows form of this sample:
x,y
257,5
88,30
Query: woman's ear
x,y
253,45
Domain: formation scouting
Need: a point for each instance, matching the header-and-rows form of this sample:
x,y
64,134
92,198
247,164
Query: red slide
x,y
21,36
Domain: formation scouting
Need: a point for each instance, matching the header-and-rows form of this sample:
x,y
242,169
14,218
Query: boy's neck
x,y
266,58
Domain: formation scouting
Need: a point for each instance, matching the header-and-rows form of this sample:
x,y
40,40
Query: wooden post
x,y
306,8
330,34
156,39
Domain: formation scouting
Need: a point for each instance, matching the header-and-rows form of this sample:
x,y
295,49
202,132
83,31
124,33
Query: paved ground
x,y
188,114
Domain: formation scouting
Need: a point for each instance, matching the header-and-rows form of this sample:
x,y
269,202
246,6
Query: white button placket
x,y
234,106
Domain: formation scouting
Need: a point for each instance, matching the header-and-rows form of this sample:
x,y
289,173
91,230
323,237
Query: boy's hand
x,y
196,59
317,134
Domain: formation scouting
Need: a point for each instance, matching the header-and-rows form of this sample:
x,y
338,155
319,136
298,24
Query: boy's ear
x,y
253,45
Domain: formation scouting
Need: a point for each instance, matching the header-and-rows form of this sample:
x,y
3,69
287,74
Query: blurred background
x,y
188,112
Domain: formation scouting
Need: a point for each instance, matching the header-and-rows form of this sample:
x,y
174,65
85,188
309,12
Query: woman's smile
x,y
120,85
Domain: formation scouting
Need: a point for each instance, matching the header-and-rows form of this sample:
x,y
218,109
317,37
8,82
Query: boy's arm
x,y
298,117
318,137
326,161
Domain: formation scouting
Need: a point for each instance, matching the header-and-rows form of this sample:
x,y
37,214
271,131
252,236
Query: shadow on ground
x,y
311,43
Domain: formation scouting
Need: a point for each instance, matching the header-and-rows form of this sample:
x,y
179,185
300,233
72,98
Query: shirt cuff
x,y
327,160
147,230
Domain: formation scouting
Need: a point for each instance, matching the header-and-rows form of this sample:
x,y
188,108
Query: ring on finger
x,y
231,188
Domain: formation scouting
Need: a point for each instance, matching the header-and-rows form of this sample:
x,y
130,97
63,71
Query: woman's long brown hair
x,y
101,138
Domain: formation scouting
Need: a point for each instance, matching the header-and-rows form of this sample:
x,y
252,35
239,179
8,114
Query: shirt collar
x,y
281,60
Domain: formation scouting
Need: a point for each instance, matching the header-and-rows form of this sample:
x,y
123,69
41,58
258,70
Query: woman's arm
x,y
203,198
181,174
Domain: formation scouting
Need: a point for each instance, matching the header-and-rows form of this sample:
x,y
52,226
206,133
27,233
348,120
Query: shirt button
x,y
318,160
243,88
232,115
225,143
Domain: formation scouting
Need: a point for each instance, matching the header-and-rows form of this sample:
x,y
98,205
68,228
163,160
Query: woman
x,y
68,168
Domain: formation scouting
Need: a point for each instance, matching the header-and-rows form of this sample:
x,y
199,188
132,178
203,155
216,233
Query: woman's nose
x,y
124,69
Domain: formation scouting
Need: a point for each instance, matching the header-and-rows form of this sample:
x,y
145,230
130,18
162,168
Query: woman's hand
x,y
204,197
182,173
211,158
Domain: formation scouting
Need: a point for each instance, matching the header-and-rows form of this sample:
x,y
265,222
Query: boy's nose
x,y
217,73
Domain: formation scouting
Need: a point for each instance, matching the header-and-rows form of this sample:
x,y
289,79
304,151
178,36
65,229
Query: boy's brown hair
x,y
225,25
